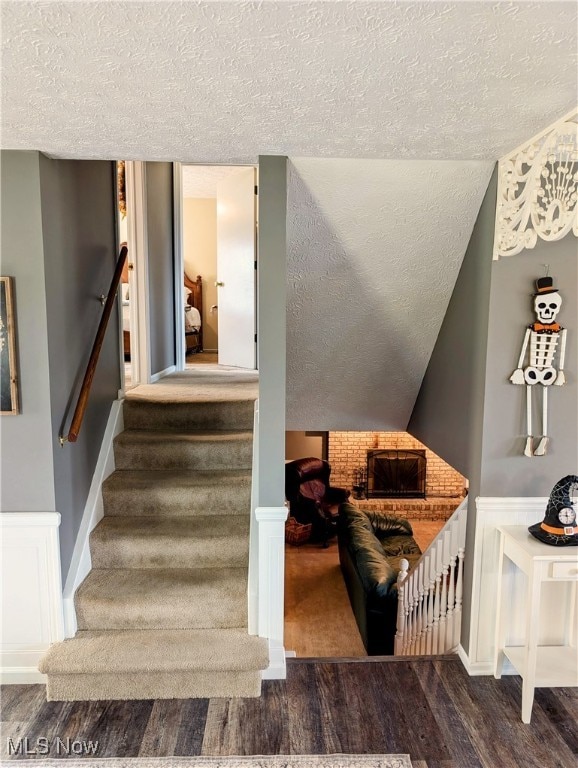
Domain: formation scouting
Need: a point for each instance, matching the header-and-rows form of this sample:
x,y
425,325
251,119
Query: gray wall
x,y
26,442
159,212
271,291
78,220
505,471
448,415
467,411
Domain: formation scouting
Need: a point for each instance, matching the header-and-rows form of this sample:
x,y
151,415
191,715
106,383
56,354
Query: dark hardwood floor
x,y
430,709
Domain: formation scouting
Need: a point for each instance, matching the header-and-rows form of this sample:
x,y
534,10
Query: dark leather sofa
x,y
371,545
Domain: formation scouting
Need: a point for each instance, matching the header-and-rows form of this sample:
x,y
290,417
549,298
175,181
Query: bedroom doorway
x,y
127,360
132,294
218,225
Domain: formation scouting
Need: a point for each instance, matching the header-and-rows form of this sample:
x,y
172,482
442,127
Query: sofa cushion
x,y
372,540
388,525
401,546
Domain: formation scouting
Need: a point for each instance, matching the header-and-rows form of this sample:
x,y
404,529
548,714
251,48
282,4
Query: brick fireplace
x,y
444,486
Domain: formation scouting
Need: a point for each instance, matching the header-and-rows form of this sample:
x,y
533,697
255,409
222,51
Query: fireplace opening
x,y
394,474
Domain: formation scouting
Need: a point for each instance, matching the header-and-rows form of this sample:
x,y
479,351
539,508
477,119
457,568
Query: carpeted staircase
x,y
163,612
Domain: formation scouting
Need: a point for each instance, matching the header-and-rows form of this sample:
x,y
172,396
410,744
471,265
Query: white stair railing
x,y
429,608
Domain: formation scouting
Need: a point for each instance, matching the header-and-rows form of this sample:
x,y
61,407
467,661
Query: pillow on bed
x,y
192,319
186,294
124,292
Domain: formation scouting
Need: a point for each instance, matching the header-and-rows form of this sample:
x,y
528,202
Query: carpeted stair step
x,y
162,598
174,493
183,416
153,664
164,542
144,449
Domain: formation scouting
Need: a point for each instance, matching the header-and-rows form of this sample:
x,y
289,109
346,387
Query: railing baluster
x,y
450,633
430,596
459,594
401,607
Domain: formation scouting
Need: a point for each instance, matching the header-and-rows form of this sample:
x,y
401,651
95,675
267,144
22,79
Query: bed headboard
x,y
196,298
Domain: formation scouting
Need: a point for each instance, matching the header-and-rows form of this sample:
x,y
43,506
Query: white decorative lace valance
x,y
538,190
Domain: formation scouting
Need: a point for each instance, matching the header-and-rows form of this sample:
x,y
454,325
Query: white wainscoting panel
x,y
32,616
492,513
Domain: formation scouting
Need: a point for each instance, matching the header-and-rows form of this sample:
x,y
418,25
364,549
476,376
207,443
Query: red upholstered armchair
x,y
310,497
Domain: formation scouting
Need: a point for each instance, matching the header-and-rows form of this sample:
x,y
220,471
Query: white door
x,y
236,268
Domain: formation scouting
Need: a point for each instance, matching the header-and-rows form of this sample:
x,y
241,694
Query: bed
x,y
193,313
193,302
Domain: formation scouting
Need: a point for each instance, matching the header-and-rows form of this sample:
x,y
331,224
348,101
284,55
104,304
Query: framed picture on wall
x,y
8,378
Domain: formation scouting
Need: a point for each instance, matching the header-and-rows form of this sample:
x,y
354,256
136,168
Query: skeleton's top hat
x,y
545,285
559,525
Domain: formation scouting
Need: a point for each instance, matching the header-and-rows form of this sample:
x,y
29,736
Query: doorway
x,y
218,216
127,325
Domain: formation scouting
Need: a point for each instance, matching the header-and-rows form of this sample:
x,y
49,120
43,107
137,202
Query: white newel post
x,y
400,635
271,525
271,522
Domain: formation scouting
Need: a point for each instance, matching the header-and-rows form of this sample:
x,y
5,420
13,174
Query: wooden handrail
x,y
82,402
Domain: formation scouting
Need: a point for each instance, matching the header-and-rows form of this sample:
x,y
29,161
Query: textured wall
x,y
223,82
26,439
374,248
448,412
505,471
78,221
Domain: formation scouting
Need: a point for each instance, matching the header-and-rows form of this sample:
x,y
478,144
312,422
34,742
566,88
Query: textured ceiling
x,y
226,81
374,249
202,180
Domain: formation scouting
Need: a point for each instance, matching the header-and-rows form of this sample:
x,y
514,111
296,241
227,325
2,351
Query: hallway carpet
x,y
163,612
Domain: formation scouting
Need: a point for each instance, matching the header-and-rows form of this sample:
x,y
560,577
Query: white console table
x,y
539,666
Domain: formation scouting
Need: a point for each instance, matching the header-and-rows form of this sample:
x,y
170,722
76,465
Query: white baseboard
x,y
21,667
277,669
80,563
31,593
162,374
478,668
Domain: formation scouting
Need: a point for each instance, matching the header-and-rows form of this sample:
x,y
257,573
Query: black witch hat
x,y
559,525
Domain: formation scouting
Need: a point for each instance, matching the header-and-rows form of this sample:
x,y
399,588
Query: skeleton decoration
x,y
542,338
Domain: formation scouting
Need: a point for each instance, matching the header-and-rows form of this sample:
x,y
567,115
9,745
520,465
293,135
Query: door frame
x,y
179,250
135,182
179,265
